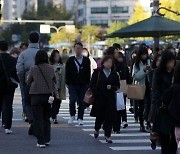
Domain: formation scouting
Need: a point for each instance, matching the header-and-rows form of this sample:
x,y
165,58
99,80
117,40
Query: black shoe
x,y
117,132
96,134
108,140
136,120
142,129
30,132
55,121
131,110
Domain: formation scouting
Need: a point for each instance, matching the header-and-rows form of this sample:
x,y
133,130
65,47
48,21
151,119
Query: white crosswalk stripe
x,y
128,140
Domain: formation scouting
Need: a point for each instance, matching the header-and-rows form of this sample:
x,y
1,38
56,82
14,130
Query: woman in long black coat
x,y
122,69
104,84
162,124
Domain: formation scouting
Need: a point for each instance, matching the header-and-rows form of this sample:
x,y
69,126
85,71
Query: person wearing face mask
x,y
93,62
104,84
163,123
59,68
123,71
139,74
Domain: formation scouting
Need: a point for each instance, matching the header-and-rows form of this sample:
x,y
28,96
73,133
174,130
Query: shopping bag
x,y
136,92
123,86
120,101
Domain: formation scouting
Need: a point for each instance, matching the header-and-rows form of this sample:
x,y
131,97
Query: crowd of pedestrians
x,y
43,80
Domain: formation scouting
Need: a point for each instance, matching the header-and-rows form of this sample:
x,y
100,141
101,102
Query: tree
x,y
138,15
176,7
63,36
114,27
44,12
90,33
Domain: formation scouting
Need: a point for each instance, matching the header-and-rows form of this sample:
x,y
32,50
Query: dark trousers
x,y
121,116
23,99
168,143
76,94
147,106
27,99
6,102
107,125
41,121
55,108
139,110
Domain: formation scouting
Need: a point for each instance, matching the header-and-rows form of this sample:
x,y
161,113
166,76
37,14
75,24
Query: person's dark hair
x,y
14,51
23,44
53,54
120,54
153,64
133,52
166,57
34,37
177,74
142,51
78,43
111,51
106,58
87,51
41,57
117,46
3,46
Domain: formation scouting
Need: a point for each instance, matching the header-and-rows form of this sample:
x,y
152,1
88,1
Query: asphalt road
x,y
73,139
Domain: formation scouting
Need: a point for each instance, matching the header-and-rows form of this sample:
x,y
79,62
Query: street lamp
x,y
164,8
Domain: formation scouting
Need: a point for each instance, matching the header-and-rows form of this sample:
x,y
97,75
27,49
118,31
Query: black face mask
x,y
144,61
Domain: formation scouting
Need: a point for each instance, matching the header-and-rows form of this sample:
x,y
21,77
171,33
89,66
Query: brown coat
x,y
36,81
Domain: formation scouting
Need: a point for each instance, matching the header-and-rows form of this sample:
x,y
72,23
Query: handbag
x,y
89,96
123,87
120,105
136,92
11,82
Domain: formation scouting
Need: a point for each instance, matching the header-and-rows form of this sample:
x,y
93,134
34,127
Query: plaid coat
x,y
36,81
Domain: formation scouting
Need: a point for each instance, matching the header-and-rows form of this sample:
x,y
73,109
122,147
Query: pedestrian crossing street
x,y
130,139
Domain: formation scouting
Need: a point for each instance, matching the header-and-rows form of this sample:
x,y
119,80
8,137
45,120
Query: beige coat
x,y
60,82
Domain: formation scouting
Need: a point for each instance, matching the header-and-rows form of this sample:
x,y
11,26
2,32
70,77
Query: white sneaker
x,y
80,122
88,109
71,119
41,145
8,131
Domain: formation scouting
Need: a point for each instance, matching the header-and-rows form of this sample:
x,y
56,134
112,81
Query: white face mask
x,y
85,54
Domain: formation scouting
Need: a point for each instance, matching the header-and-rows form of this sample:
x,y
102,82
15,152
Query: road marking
x,y
126,135
123,141
122,130
133,148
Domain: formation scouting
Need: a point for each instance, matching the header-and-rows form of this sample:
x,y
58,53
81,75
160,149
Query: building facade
x,y
102,12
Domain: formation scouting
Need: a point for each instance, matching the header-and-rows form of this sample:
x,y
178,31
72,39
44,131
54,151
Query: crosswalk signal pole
x,y
155,8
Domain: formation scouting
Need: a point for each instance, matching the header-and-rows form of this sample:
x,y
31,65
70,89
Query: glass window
x,y
95,10
99,22
119,20
116,9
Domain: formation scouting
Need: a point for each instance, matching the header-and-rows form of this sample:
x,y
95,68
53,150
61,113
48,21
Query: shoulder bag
x,y
89,96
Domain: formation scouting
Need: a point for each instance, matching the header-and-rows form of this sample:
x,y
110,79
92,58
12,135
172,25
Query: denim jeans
x,y
76,94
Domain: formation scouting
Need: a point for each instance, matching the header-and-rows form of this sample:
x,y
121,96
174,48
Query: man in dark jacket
x,y
8,84
78,74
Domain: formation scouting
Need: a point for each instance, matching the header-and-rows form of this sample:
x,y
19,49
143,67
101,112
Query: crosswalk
x,y
130,139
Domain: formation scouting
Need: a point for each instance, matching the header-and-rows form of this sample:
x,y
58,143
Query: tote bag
x,y
120,105
123,87
136,92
